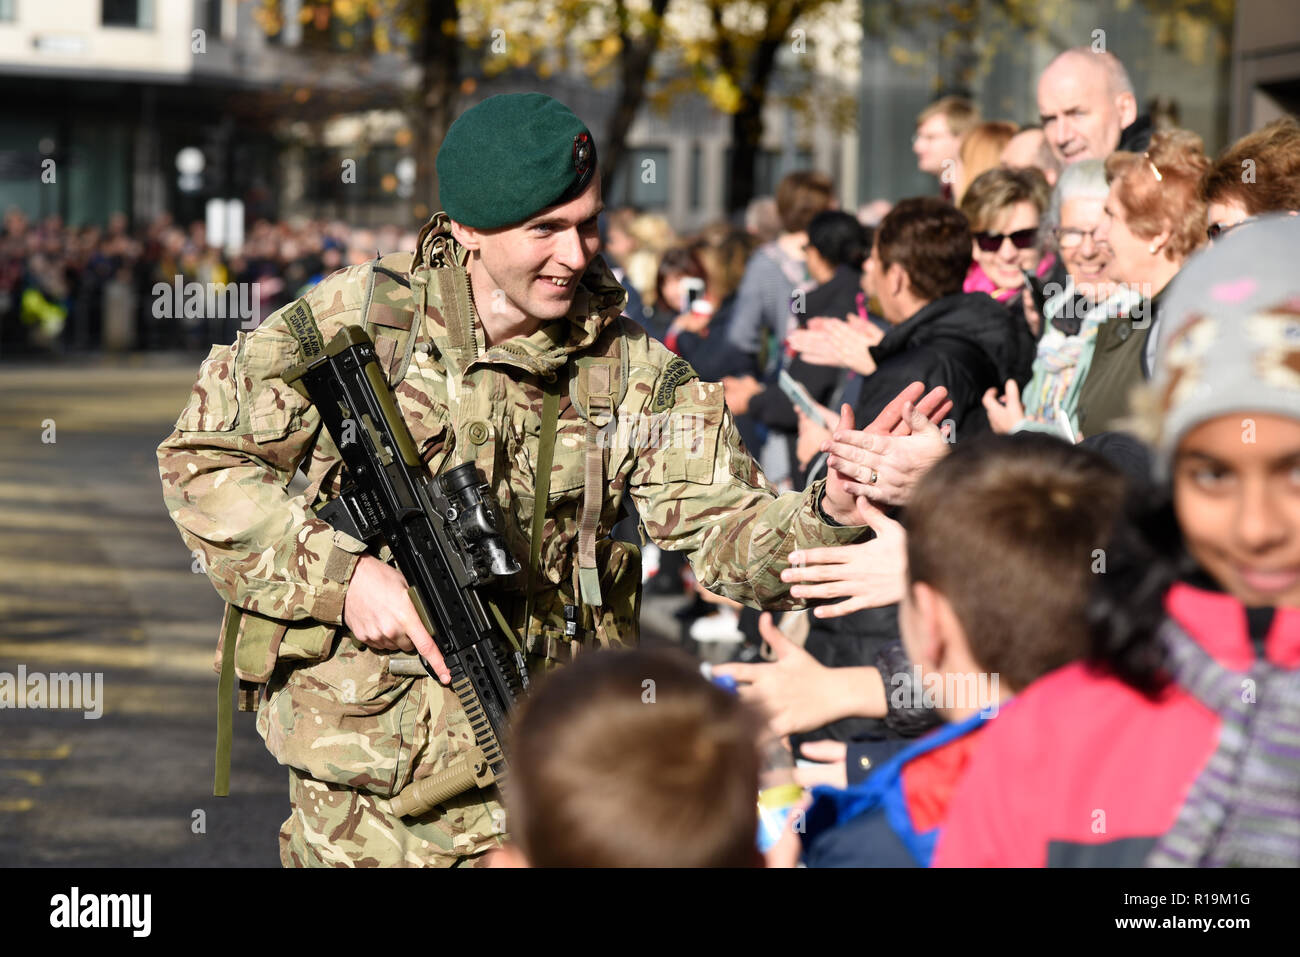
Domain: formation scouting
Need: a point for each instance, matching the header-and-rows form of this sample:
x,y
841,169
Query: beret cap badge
x,y
582,154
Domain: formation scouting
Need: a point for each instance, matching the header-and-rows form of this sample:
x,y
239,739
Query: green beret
x,y
512,156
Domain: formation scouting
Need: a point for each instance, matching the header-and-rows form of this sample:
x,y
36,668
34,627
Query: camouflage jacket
x,y
227,467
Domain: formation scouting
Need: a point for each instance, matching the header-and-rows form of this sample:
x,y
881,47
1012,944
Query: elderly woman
x,y
1073,310
1154,219
1004,208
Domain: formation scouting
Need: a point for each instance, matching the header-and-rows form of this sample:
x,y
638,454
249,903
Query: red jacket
x,y
1081,769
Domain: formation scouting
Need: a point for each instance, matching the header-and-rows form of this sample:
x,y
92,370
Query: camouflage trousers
x,y
335,826
353,736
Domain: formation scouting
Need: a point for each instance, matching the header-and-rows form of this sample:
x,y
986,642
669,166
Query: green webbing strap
x,y
225,709
504,625
545,457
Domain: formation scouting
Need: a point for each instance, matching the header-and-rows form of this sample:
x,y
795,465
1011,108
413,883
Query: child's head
x,y
1003,540
632,759
1224,411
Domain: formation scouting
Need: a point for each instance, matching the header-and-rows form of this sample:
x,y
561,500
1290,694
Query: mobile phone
x,y
692,289
1037,290
798,396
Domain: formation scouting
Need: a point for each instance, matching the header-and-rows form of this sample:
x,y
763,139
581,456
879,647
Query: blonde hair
x,y
981,150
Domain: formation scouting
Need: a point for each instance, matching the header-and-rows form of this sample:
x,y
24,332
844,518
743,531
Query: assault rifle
x,y
442,531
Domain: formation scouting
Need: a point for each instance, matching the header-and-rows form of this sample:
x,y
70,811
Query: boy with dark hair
x,y
632,759
1001,540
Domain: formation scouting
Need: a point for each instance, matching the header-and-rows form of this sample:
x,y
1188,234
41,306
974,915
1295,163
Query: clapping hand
x,y
885,468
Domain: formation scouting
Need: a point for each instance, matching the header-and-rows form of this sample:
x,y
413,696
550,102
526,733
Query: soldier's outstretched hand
x,y
378,611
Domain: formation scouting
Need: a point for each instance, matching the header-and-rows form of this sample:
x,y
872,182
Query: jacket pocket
x,y
273,408
345,720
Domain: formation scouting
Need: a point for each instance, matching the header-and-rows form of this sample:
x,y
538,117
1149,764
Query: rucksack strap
x,y
542,483
225,707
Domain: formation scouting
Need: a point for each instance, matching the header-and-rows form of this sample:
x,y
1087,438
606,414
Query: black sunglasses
x,y
1021,239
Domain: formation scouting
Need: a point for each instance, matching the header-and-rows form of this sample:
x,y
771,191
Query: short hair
x,y
931,241
1005,528
960,112
1085,179
800,196
998,188
1170,201
632,759
839,238
981,149
1117,78
1273,155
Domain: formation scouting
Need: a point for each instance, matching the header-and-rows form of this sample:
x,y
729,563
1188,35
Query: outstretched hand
x,y
796,692
866,575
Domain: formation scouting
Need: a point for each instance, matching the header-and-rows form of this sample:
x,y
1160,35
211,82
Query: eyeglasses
x,y
1070,238
1021,239
1218,229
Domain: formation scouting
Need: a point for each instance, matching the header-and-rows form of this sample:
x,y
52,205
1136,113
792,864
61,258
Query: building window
x,y
128,13
642,179
211,19
769,169
7,11
697,175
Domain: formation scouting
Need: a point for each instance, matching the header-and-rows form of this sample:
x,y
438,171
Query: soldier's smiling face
x,y
531,270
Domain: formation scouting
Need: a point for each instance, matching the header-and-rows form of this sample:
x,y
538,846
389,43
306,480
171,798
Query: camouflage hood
x,y
599,300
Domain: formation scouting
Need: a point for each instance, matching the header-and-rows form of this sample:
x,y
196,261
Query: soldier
x,y
504,304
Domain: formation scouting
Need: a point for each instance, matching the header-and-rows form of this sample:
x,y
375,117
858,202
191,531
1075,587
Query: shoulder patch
x,y
677,372
302,324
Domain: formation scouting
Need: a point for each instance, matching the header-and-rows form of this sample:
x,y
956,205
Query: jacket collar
x,y
1217,621
452,324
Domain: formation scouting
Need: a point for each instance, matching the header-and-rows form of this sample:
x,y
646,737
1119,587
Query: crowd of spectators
x,y
66,288
1067,391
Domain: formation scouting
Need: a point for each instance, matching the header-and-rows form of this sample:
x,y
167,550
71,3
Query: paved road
x,y
95,580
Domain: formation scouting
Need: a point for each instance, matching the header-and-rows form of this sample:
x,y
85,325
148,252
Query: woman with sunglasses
x,y
1073,311
1004,208
1154,219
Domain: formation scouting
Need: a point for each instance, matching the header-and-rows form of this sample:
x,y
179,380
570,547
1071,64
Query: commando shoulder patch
x,y
302,324
677,372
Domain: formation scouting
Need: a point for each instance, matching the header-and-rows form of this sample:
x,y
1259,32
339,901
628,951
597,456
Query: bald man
x,y
1088,108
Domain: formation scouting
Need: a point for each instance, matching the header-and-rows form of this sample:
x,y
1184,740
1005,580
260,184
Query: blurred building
x,y
102,97
145,106
1265,63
